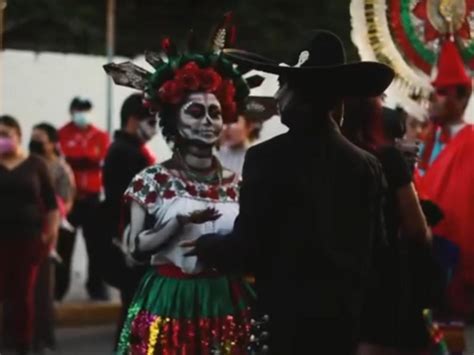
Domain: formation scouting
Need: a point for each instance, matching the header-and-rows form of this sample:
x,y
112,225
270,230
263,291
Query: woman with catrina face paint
x,y
182,307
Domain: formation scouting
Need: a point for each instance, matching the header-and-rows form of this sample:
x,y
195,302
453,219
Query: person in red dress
x,y
85,147
446,171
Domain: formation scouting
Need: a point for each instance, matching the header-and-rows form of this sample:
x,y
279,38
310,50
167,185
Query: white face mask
x,y
81,118
200,119
147,129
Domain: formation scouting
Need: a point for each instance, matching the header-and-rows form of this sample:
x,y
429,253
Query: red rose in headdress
x,y
226,96
171,92
191,66
209,79
188,76
229,111
226,91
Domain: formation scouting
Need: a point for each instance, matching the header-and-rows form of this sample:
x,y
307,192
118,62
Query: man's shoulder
x,y
355,157
470,133
269,146
123,151
66,129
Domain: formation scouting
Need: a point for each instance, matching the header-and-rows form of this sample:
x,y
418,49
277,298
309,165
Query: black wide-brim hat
x,y
260,108
322,67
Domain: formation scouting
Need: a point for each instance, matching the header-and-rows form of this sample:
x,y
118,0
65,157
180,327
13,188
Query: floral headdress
x,y
177,74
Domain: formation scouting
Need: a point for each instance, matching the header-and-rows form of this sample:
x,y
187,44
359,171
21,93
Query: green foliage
x,y
274,28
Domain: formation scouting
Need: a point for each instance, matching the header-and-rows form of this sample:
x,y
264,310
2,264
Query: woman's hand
x,y
199,216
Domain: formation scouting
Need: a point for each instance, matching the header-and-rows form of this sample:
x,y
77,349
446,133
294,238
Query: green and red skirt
x,y
178,314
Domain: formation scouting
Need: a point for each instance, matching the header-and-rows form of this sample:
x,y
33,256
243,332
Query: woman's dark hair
x,y
52,134
394,123
255,132
80,104
50,131
256,127
11,122
133,106
363,124
168,121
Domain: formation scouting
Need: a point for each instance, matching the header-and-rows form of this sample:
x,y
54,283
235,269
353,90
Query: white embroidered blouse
x,y
164,195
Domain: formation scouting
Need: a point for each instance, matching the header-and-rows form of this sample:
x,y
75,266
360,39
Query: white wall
x,y
37,87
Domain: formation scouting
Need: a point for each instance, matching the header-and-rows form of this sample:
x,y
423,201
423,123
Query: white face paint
x,y
200,118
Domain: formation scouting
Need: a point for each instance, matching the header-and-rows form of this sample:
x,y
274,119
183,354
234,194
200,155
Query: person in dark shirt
x,y
126,157
128,154
29,223
387,323
45,144
309,206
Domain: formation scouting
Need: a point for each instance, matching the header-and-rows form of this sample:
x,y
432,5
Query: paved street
x,y
98,340
84,341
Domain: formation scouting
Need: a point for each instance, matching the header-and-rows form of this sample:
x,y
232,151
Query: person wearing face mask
x,y
185,307
237,137
45,143
29,222
84,147
126,157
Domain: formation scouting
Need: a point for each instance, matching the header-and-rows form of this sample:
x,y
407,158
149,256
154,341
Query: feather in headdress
x,y
224,35
154,59
128,74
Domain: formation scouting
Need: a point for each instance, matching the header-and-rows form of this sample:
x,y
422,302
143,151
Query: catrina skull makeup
x,y
200,118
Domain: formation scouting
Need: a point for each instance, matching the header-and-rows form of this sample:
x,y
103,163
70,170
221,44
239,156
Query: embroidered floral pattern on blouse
x,y
156,182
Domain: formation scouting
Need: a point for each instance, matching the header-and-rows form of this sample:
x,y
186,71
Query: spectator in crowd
x,y
388,325
415,129
84,146
45,143
238,137
127,156
29,222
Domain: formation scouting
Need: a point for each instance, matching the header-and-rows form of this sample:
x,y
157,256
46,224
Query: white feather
x,y
408,79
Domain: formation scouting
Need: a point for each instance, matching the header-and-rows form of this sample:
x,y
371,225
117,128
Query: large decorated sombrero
x,y
408,36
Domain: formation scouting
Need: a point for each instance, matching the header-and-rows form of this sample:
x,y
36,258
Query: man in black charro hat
x,y
310,206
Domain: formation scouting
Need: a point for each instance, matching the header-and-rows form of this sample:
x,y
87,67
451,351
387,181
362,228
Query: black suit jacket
x,y
124,160
310,217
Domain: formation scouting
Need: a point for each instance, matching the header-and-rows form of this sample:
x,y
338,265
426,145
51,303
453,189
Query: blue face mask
x,y
81,119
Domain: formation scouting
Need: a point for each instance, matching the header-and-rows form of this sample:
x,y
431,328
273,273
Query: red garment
x,y
85,149
19,261
148,154
451,69
449,182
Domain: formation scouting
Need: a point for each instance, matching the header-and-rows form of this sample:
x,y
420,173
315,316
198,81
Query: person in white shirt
x,y
239,136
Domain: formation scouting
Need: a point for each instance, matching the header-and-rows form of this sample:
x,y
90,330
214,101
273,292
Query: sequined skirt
x,y
201,315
